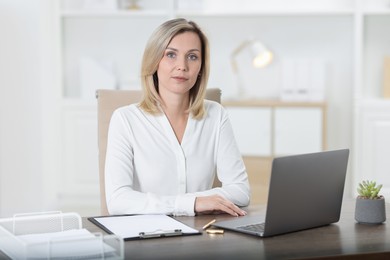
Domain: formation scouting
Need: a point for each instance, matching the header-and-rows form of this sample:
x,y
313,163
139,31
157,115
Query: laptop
x,y
305,191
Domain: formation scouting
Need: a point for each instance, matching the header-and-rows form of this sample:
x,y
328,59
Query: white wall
x,y
21,114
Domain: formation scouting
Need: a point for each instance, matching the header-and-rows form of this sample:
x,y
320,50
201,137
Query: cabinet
x,y
79,182
373,146
299,129
371,110
275,128
348,37
252,128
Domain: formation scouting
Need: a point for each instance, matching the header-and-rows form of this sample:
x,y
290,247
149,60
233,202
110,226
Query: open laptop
x,y
305,191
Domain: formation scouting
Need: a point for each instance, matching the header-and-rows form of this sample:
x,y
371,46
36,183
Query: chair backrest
x,y
108,101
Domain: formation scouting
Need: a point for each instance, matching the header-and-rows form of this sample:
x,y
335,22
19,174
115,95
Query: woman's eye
x,y
171,55
192,57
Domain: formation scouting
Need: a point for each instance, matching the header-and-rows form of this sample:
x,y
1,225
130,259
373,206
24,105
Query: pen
x,y
215,231
160,233
209,224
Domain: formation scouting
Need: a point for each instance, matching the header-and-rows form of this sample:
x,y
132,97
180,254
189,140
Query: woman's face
x,y
179,68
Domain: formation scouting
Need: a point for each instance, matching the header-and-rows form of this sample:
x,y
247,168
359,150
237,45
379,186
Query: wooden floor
x,y
259,171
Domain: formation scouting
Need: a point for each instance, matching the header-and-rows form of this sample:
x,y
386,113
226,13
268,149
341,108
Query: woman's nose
x,y
182,64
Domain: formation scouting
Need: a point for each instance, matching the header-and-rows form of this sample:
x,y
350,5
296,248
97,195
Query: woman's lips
x,y
181,79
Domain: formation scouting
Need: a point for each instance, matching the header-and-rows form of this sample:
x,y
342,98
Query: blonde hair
x,y
153,53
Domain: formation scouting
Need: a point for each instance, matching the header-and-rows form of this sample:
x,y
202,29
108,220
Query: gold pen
x,y
215,231
209,224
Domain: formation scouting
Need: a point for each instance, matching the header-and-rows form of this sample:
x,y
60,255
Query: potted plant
x,y
370,206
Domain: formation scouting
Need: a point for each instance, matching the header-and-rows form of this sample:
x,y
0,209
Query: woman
x,y
163,153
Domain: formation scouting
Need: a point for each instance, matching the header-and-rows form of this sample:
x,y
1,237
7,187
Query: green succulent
x,y
369,189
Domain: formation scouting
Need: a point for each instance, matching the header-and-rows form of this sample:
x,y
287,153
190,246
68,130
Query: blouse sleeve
x,y
119,179
231,170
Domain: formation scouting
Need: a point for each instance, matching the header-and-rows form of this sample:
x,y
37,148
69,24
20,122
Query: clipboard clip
x,y
161,233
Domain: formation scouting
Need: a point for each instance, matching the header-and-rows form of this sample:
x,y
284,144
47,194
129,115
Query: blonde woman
x,y
163,153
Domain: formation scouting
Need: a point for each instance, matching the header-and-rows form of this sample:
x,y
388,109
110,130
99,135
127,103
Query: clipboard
x,y
134,227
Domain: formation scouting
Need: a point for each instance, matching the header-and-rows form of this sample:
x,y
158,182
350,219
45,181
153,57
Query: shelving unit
x,y
206,13
371,110
349,36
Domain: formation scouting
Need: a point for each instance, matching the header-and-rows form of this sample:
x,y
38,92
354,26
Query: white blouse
x,y
149,172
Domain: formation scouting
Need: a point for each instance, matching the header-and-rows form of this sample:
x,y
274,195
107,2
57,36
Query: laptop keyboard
x,y
258,228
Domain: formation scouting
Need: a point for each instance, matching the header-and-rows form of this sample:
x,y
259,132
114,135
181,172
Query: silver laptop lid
x,y
305,191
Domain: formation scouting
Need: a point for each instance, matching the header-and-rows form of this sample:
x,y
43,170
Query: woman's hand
x,y
217,204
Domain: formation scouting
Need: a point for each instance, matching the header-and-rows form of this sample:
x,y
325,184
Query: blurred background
x,y
326,86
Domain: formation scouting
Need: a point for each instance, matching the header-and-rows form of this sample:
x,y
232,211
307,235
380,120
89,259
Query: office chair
x,y
108,101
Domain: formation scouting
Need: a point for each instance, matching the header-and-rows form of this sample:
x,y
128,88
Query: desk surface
x,y
343,238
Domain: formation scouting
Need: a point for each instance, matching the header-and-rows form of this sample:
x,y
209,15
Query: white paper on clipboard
x,y
130,226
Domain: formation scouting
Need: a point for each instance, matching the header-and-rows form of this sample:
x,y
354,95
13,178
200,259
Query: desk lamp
x,y
261,57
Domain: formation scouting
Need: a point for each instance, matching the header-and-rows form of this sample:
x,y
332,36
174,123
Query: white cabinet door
x,y
297,130
79,181
373,145
252,129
